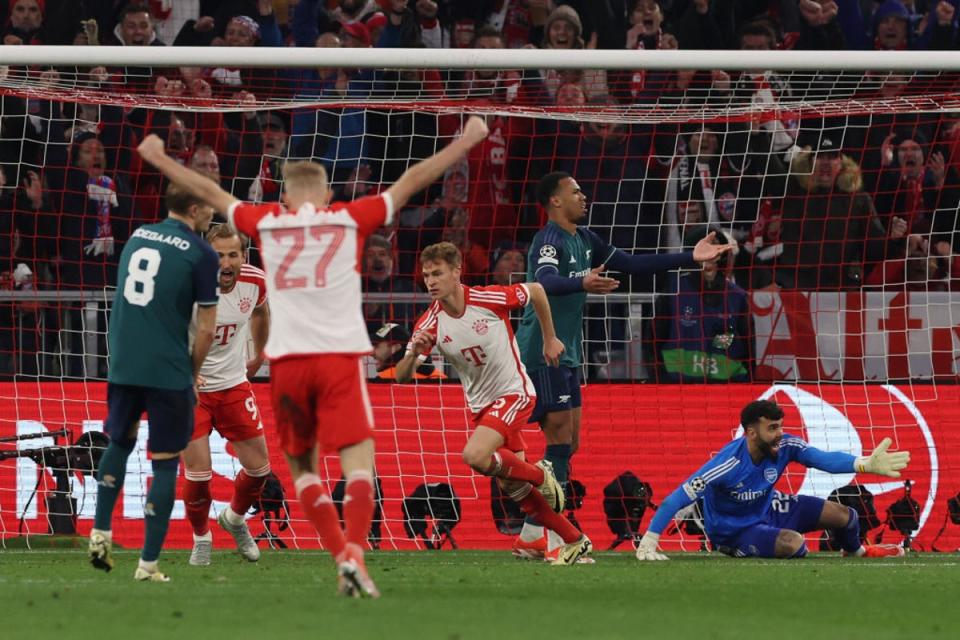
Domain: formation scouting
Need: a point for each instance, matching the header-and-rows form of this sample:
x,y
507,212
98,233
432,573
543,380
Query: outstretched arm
x,y
879,462
151,150
424,173
704,251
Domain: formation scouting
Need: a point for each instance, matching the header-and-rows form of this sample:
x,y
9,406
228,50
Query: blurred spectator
x,y
921,267
379,278
702,329
564,30
352,10
273,152
508,263
259,30
19,333
825,222
26,23
134,28
389,344
476,259
913,186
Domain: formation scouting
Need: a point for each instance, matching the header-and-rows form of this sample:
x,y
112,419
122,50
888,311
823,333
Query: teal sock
x,y
110,474
559,455
159,504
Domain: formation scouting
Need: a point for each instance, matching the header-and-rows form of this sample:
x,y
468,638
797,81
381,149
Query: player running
x,y
226,401
568,259
745,516
318,339
165,269
471,328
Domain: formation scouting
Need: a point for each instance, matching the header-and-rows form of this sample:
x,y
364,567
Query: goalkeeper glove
x,y
881,462
647,549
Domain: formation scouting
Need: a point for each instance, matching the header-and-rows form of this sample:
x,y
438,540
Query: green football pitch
x,y
466,594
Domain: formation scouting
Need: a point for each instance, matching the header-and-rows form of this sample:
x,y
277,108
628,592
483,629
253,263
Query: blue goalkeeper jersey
x,y
736,491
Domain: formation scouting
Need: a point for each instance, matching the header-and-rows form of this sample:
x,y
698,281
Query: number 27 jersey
x,y
312,260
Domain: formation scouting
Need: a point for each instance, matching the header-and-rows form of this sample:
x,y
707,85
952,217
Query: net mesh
x,y
840,189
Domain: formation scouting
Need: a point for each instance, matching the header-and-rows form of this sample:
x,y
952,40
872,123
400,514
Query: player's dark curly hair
x,y
757,409
547,187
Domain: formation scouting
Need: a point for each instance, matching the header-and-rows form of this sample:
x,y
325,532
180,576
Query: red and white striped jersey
x,y
226,363
480,343
312,259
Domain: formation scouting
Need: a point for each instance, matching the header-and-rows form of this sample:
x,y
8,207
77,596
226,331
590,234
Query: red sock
x,y
358,507
534,504
320,511
511,467
247,488
196,499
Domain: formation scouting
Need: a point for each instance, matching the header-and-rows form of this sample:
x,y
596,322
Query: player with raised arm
x,y
471,328
318,336
568,259
745,516
226,401
165,269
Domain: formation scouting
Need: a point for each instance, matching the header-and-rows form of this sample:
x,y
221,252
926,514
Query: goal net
x,y
840,190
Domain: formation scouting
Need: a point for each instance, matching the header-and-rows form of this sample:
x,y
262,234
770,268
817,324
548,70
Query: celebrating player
x,y
568,260
164,269
318,337
226,401
471,328
743,514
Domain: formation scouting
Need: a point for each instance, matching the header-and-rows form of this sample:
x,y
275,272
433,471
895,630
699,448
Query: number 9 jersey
x,y
165,269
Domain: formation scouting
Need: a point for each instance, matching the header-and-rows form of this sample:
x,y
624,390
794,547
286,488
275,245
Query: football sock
x,y
110,474
246,489
559,456
534,504
506,464
318,507
159,504
849,536
358,507
196,500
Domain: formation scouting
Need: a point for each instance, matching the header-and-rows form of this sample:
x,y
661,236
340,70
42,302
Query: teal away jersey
x,y
164,269
571,256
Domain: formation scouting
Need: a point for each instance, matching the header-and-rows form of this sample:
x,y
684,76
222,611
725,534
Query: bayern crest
x,y
245,305
481,327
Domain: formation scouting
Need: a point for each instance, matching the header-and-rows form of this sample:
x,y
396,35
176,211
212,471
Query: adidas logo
x,y
447,339
573,260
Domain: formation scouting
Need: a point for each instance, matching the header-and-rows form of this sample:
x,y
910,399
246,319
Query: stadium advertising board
x,y
848,336
661,433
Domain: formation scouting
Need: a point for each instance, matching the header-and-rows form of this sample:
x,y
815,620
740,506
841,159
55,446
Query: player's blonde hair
x,y
442,251
305,176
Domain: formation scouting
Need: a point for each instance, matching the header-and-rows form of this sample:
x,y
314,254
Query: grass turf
x,y
464,595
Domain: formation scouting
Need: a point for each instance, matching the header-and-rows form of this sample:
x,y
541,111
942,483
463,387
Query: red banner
x,y
661,433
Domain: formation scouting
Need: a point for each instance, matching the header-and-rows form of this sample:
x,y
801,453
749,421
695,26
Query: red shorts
x,y
232,412
320,399
507,415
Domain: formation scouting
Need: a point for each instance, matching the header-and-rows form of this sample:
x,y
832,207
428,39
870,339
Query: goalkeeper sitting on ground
x,y
744,516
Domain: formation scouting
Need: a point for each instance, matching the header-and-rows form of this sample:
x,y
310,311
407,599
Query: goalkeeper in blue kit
x,y
567,260
744,516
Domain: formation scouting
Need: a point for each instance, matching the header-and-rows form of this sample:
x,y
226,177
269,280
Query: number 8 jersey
x,y
165,269
312,260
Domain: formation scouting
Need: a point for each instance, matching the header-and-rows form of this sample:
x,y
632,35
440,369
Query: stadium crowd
x,y
837,202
